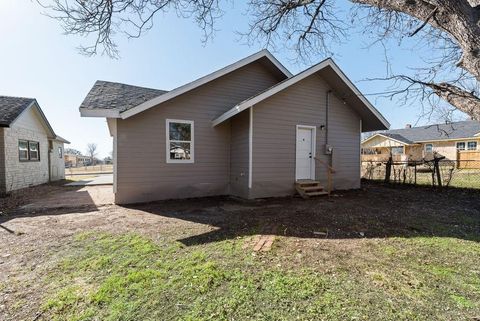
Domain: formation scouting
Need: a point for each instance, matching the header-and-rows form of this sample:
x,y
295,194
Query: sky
x,y
37,60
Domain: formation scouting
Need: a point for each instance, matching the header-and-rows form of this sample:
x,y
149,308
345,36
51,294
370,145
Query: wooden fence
x,y
468,159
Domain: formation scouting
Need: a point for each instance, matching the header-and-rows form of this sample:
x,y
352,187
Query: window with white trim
x,y
460,145
397,150
472,146
60,152
428,148
28,150
23,150
33,151
179,141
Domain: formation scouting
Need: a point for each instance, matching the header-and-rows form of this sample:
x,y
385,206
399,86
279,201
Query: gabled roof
x,y
393,137
12,107
436,132
116,97
61,139
371,117
398,137
95,106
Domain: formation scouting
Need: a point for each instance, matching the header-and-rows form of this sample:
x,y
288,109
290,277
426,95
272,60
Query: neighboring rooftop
x,y
117,96
398,137
454,130
11,108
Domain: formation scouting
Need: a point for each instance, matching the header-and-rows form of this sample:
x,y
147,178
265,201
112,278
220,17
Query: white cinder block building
x,y
30,151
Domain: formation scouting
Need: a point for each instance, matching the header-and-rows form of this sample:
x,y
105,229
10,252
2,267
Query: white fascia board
x,y
291,81
272,91
107,113
387,137
203,80
24,111
34,104
357,92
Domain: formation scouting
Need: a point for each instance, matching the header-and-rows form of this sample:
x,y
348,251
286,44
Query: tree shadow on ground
x,y
46,199
376,211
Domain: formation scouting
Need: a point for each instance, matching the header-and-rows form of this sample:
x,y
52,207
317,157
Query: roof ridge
x,y
432,125
124,84
17,97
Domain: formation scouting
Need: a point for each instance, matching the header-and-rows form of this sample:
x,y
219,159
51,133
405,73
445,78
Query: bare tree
x,y
72,151
449,29
92,152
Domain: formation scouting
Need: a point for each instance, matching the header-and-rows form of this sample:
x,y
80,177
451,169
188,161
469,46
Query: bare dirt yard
x,y
380,253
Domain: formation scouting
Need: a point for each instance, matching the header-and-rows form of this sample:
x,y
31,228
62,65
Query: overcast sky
x,y
37,60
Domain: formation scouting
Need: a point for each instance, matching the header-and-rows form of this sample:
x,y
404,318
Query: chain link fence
x,y
440,172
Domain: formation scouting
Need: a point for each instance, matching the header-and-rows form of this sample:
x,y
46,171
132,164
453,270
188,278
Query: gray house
x,y
30,151
251,129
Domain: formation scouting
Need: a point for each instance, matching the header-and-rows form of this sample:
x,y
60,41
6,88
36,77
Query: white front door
x,y
305,153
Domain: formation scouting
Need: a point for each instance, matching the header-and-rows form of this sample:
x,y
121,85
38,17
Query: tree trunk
x,y
462,100
459,18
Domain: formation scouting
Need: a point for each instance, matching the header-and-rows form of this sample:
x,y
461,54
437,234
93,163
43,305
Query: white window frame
x,y
191,141
37,159
472,141
464,144
27,150
403,150
425,148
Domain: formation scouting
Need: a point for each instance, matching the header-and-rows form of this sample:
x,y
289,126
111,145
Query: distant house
x,y
30,151
73,160
251,129
457,141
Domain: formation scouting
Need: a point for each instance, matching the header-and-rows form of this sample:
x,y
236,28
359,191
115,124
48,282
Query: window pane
x,y
472,145
180,131
461,146
23,150
33,150
179,151
60,152
429,148
397,150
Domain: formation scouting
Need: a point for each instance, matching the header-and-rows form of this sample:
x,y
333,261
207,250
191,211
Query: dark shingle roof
x,y
12,107
461,129
117,96
398,137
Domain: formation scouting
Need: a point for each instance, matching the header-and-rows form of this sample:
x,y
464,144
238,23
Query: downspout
x,y
327,145
327,103
49,160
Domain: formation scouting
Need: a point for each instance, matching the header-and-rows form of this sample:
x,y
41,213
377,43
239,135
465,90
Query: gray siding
x,y
142,171
239,154
3,188
345,138
274,138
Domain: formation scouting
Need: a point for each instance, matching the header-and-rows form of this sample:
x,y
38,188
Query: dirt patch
x,y
91,196
18,198
308,232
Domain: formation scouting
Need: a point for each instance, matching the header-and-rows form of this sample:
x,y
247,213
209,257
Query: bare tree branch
x,y
448,29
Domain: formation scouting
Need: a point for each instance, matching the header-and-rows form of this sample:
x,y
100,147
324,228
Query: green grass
x,y
129,277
